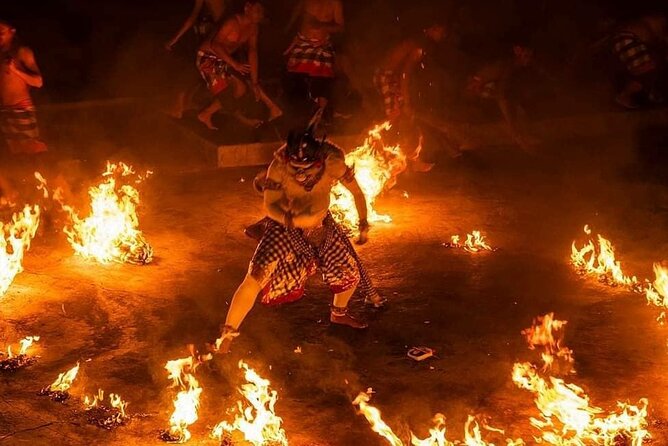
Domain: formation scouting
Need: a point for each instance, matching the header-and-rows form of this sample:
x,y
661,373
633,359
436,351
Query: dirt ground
x,y
124,322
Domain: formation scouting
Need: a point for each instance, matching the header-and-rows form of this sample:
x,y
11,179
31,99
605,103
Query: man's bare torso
x,y
317,12
13,89
231,36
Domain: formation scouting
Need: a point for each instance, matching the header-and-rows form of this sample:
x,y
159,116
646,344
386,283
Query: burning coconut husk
x,y
186,403
376,167
567,417
108,417
597,259
110,232
58,390
11,362
475,242
437,434
15,240
256,422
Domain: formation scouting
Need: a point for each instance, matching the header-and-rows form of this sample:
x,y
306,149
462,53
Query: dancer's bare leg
x,y
339,313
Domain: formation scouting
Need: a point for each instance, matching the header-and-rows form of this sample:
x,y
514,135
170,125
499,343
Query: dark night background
x,y
101,49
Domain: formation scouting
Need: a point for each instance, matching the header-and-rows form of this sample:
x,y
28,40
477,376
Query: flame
x,y
114,400
475,242
25,344
256,418
186,404
548,333
657,291
600,263
374,418
64,380
376,167
472,431
15,240
566,416
110,233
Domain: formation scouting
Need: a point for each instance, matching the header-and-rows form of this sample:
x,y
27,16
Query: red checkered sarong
x,y
214,70
388,84
312,57
633,53
286,258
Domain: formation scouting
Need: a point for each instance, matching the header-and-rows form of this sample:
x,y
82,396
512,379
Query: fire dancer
x,y
301,235
226,76
311,54
495,81
640,45
18,73
392,79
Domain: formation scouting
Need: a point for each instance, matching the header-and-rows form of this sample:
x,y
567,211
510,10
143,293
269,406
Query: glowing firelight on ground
x,y
256,422
437,434
14,242
110,233
64,380
597,259
376,167
566,416
186,403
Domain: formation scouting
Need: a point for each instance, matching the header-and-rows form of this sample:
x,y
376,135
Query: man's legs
x,y
242,302
339,312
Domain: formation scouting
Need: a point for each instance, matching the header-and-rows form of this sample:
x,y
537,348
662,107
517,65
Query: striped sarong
x,y
312,57
18,124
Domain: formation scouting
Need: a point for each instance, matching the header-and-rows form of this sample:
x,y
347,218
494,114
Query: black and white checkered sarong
x,y
285,258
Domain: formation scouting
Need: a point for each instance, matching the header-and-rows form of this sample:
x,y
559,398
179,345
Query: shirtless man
x,y
392,80
640,45
311,54
18,73
301,234
493,82
203,19
227,77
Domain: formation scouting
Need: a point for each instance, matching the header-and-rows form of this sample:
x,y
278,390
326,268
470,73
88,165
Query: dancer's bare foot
x,y
205,118
375,300
340,316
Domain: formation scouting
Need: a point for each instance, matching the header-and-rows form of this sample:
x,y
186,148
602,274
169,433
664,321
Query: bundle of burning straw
x,y
475,242
103,416
58,390
12,362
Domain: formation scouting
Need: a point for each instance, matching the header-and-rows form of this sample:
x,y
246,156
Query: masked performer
x,y
300,235
18,73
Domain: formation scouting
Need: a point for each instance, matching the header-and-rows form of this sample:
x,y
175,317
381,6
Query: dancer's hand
x,y
364,232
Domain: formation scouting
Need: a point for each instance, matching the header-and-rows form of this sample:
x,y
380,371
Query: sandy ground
x,y
124,322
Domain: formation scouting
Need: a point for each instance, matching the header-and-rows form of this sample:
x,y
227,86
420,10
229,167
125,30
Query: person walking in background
x,y
18,74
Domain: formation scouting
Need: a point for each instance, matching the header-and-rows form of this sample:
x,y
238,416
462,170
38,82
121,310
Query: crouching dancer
x,y
301,235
